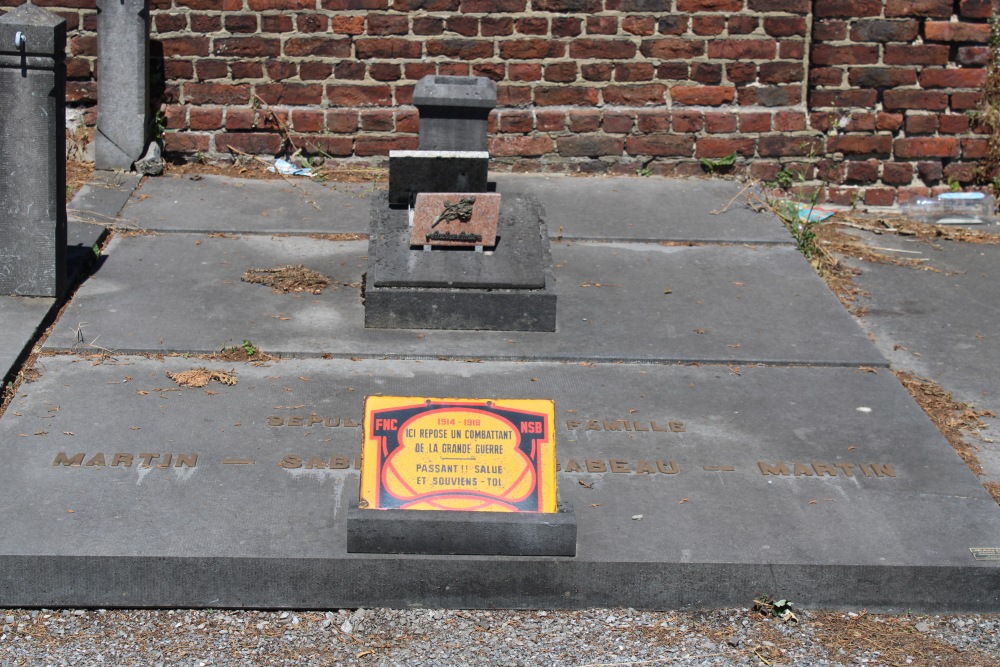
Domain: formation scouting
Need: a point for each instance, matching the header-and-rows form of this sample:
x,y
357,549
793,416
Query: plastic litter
x,y
286,168
810,214
952,208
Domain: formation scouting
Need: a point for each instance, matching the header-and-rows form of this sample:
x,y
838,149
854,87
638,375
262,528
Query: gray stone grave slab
x,y
32,150
412,172
122,83
647,209
102,199
20,319
693,487
732,304
940,321
454,111
238,205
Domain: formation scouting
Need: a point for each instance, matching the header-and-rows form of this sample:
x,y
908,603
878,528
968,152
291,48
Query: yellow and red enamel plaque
x,y
459,454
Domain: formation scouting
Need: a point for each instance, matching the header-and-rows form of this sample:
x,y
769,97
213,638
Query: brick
x,y
279,70
342,121
920,8
755,122
672,49
241,23
168,23
954,124
428,25
185,46
881,77
684,121
485,6
332,146
787,6
742,49
792,49
212,69
584,121
952,78
880,196
789,121
973,56
921,124
862,171
783,145
888,121
347,25
878,30
467,26
660,145
550,120
566,96
634,71
927,54
460,49
717,122
963,172
843,98
562,72
295,94
565,26
251,47
965,100
897,173
653,121
945,31
639,25
575,6
741,72
527,146
357,96
387,24
602,25
276,24
307,120
638,5
708,25
634,95
742,25
923,147
216,93
254,143
930,172
975,148
589,145
672,25
263,5
425,5
781,72
349,71
716,147
915,99
855,145
246,70
692,6
829,77
252,119
706,73
385,71
380,120
367,146
527,49
703,95
185,142
829,30
618,122
518,96
855,54
205,24
608,49
516,121
206,118
976,9
677,71
770,96
785,26
847,8
386,47
496,26
524,72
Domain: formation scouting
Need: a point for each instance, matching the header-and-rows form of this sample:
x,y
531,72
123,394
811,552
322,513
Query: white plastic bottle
x,y
952,208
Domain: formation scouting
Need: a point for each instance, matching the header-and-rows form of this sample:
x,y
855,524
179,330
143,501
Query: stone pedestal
x,y
122,82
412,172
508,289
32,152
454,111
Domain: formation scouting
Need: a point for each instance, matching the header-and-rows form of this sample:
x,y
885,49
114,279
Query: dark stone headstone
x,y
32,152
412,172
122,82
454,111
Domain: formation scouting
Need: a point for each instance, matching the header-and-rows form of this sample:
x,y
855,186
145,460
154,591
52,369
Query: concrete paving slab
x,y
20,320
693,486
647,209
941,321
629,301
100,200
225,204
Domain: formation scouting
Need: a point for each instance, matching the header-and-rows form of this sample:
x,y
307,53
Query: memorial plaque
x,y
458,454
455,219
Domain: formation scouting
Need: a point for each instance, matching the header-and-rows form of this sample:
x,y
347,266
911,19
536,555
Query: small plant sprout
x,y
248,347
714,165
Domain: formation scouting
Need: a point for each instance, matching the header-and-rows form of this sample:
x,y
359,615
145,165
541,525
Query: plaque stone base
x,y
440,533
508,289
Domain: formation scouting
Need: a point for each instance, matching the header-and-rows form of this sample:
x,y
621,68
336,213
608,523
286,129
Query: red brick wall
x,y
867,95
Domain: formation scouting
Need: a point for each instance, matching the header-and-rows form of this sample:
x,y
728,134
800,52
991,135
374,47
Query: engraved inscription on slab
x,y
456,219
458,454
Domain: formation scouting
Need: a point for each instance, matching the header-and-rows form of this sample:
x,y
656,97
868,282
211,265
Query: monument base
x,y
510,288
438,533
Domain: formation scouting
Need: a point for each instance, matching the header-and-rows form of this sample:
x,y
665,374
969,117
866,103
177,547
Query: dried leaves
x,y
285,279
200,377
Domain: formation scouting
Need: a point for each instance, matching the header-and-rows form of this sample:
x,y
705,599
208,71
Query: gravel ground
x,y
589,638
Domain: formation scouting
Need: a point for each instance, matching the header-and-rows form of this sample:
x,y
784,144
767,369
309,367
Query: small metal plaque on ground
x,y
458,454
455,219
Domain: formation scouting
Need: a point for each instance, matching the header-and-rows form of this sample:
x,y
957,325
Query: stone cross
x,y
32,152
122,82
